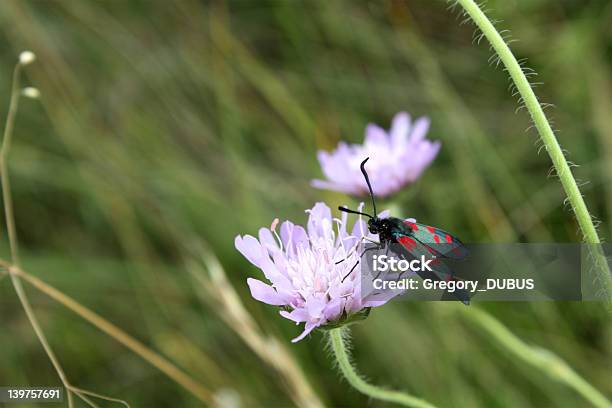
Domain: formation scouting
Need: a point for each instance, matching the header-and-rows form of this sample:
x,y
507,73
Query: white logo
x,y
383,263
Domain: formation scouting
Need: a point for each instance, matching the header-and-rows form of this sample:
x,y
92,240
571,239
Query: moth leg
x,y
351,271
357,263
355,249
350,252
402,273
386,247
372,241
342,260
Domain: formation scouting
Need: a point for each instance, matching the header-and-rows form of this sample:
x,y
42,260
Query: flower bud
x,y
27,57
31,92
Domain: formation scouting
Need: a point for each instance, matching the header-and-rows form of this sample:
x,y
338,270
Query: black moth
x,y
415,240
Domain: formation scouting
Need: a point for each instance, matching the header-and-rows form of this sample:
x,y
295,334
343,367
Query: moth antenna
x,y
367,179
347,210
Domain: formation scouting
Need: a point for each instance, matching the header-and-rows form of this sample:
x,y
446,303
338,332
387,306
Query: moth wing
x,y
443,243
440,271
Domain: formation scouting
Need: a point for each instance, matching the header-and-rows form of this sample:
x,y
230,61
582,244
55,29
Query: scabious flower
x,y
397,158
309,269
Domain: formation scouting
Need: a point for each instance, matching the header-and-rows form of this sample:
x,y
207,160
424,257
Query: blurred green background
x,y
166,127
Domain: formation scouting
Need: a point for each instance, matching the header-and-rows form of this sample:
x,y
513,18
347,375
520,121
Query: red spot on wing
x,y
437,239
431,229
449,239
412,225
407,242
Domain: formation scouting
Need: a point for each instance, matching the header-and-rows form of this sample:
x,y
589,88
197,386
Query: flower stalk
x,y
25,58
542,359
153,358
13,269
338,338
549,139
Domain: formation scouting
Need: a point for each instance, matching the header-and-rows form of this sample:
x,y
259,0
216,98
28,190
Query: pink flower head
x,y
397,158
303,268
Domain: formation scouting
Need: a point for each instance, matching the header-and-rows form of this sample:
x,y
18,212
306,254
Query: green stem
x,y
337,340
548,138
12,232
542,359
13,268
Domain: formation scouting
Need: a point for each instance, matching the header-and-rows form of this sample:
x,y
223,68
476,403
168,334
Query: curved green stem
x,y
337,340
542,359
12,232
13,269
547,135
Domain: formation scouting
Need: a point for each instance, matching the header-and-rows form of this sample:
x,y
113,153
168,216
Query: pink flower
x,y
303,270
397,158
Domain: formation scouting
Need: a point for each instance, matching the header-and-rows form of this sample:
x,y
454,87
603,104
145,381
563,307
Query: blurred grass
x,y
161,122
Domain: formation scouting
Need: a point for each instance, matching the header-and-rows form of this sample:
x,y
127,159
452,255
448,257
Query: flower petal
x,y
384,214
297,315
274,275
267,240
400,126
333,310
250,248
265,293
319,220
375,135
310,326
348,188
419,130
293,236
